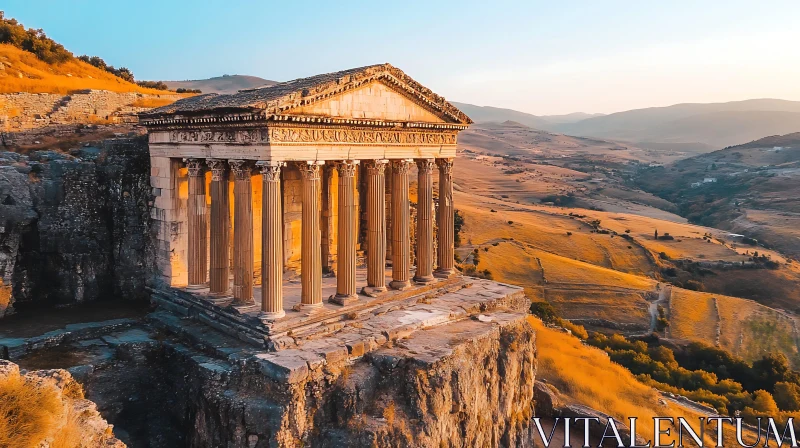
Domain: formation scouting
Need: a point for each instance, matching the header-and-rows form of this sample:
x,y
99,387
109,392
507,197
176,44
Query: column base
x,y
269,317
426,279
400,285
343,300
309,308
219,298
244,307
373,291
197,287
445,273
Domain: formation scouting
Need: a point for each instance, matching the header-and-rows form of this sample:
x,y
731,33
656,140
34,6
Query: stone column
x,y
272,242
376,227
424,272
220,233
401,244
446,245
242,233
346,241
311,250
198,224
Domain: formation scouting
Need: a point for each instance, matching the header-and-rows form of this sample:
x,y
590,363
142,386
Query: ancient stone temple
x,y
310,176
304,236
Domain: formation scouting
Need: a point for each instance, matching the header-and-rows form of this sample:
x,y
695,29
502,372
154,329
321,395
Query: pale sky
x,y
537,57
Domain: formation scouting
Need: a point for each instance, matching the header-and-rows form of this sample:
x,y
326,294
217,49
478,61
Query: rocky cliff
x,y
465,383
74,225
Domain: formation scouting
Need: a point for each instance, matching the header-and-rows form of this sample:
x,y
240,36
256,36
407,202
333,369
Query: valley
x,y
534,218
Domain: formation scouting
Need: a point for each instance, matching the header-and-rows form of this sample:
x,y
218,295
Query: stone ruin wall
x,y
25,111
74,226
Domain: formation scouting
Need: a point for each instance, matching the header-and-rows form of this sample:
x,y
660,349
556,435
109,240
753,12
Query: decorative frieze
x,y
306,135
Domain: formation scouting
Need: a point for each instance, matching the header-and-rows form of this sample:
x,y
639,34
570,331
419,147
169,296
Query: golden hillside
x,y
585,375
23,72
593,277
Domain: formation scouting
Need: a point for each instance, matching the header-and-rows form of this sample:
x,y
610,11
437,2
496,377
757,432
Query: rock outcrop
x,y
75,227
75,420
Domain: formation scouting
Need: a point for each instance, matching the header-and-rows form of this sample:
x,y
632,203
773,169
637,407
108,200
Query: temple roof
x,y
281,97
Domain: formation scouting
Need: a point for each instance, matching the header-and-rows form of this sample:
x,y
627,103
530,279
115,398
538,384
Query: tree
x,y
544,311
764,403
787,396
655,235
773,368
458,223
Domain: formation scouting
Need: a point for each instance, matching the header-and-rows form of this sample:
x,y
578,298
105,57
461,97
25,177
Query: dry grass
x,y
548,233
741,326
24,72
693,316
28,412
587,376
152,102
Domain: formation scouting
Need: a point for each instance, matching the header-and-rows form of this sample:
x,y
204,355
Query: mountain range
x,y
691,127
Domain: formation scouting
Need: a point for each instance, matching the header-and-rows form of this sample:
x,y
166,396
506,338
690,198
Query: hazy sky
x,y
539,57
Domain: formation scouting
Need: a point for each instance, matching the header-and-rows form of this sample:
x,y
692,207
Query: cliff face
x,y
75,225
465,383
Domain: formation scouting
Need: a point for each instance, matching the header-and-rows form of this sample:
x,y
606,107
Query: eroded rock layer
x,y
74,226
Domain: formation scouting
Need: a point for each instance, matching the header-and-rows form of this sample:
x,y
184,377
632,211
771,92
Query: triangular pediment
x,y
373,101
376,92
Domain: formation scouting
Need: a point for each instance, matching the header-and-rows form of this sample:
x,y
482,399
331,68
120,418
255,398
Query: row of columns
x,y
218,265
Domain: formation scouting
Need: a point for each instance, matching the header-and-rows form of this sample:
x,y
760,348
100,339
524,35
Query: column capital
x,y
195,167
402,166
346,168
271,170
377,166
309,169
425,165
218,168
240,168
445,165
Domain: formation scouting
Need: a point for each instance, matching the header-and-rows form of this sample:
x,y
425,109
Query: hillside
x,y
221,84
714,124
754,189
21,71
559,216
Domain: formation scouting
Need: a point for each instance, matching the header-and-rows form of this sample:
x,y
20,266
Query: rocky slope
x,y
75,421
74,226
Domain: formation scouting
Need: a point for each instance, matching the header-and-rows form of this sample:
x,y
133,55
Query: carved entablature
x,y
219,136
350,136
316,135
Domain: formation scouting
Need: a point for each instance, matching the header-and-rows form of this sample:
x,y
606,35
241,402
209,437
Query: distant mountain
x,y
488,114
221,84
569,118
712,125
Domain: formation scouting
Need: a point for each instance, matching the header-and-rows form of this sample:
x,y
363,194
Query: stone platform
x,y
369,320
445,364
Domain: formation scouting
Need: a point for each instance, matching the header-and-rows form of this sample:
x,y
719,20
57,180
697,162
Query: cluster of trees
x,y
182,90
122,72
34,41
158,85
563,200
766,388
